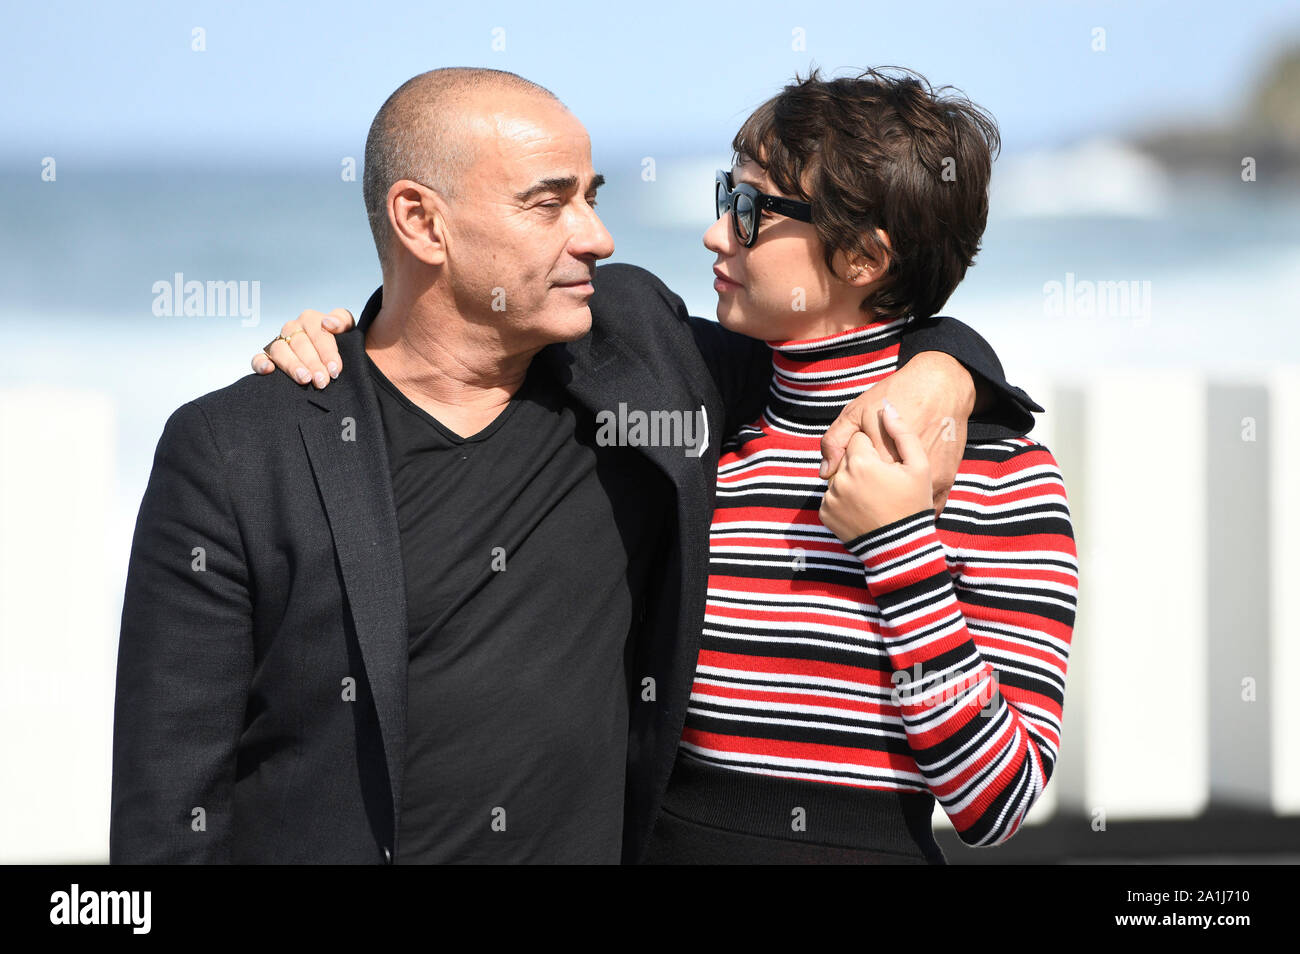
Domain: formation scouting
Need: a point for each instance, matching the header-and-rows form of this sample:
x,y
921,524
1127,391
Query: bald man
x,y
428,614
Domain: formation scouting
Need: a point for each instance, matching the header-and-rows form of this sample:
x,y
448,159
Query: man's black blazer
x,y
260,713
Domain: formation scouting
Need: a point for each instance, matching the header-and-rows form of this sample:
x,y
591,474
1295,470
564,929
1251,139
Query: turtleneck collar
x,y
813,378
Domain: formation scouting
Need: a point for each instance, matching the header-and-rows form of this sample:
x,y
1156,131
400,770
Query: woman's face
x,y
780,288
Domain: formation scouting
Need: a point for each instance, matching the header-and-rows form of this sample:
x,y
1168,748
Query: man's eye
x,y
555,205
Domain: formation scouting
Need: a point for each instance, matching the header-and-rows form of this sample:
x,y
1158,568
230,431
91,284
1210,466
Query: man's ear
x,y
416,216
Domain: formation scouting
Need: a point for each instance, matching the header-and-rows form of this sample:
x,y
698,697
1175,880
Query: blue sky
x,y
94,83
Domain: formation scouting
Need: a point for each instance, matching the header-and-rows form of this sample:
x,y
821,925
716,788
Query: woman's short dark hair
x,y
883,151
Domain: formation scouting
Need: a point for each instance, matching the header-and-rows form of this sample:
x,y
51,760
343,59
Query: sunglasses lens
x,y
720,198
744,216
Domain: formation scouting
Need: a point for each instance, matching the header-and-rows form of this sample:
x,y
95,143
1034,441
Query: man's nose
x,y
591,237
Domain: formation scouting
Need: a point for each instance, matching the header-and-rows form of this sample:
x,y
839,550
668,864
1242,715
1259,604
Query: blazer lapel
x,y
349,459
600,374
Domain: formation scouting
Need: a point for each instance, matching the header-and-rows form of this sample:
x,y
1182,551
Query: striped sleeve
x,y
979,636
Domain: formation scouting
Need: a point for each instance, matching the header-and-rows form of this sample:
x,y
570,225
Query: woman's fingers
x,y
322,339
909,445
859,449
282,357
338,321
858,416
309,359
834,443
309,351
869,447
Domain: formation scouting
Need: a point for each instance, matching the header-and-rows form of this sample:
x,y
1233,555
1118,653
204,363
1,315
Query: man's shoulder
x,y
253,404
627,298
615,278
255,392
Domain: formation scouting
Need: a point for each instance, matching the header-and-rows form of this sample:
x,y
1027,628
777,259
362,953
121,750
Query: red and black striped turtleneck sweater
x,y
927,655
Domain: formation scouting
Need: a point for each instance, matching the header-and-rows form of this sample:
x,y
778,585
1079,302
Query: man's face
x,y
523,234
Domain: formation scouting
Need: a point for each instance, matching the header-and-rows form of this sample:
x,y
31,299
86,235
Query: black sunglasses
x,y
745,203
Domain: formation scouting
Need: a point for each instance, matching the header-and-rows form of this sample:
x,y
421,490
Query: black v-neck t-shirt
x,y
525,550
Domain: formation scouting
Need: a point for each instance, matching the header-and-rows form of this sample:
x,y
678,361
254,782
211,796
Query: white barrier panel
x,y
1283,441
57,635
1240,685
1142,622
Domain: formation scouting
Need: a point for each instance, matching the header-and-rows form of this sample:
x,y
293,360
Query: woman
x,y
860,657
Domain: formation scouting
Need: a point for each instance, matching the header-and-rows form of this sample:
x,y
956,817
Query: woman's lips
x,y
722,283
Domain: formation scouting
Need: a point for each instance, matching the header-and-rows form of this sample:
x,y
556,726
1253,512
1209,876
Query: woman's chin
x,y
733,319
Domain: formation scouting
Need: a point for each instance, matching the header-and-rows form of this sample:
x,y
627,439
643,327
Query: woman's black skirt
x,y
723,816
